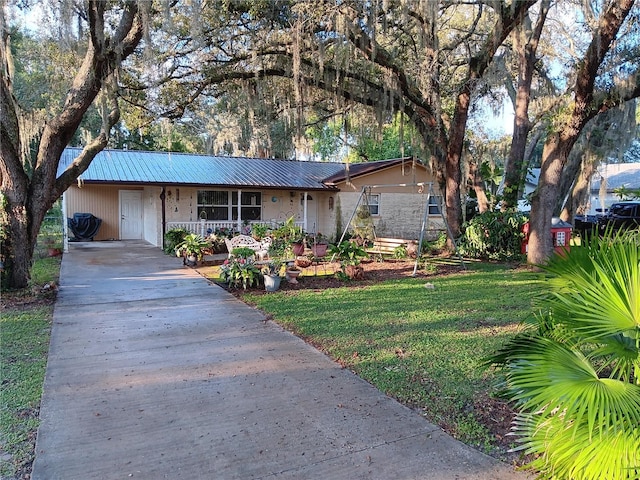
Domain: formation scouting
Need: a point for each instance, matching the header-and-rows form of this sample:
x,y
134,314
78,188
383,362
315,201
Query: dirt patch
x,y
28,298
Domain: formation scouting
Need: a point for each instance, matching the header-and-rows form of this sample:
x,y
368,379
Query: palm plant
x,y
192,245
575,379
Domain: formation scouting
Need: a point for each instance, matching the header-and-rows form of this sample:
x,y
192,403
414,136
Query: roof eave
x,y
327,188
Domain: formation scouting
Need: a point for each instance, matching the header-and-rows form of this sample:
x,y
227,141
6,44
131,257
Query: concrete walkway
x,y
154,373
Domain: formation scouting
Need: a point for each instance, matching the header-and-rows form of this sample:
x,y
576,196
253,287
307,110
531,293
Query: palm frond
x,y
570,453
596,291
572,377
551,378
620,354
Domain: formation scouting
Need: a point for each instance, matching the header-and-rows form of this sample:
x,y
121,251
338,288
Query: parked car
x,y
621,215
585,225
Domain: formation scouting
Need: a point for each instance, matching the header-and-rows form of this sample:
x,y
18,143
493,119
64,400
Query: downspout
x,y
164,215
239,210
305,212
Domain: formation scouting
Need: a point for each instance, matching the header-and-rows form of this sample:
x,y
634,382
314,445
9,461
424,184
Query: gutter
x,y
164,215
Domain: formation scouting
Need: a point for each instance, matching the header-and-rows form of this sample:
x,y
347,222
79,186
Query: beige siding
x,y
401,208
277,206
152,217
102,202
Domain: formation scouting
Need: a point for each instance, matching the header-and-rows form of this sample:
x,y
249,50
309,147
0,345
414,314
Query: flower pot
x,y
272,282
298,248
302,262
354,272
319,249
292,275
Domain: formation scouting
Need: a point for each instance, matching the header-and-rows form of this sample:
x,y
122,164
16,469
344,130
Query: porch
x,y
204,227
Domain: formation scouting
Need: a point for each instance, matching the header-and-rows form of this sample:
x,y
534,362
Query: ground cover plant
x,y
25,323
421,340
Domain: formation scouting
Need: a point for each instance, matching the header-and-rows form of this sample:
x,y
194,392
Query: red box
x,y
560,233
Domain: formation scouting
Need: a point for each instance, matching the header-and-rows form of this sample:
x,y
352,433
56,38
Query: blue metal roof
x,y
162,168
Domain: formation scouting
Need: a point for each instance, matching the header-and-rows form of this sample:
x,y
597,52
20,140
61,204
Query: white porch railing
x,y
202,227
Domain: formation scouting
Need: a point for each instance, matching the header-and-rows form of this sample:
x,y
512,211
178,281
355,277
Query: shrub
x,y
493,236
240,272
434,247
173,238
400,252
575,376
350,254
243,252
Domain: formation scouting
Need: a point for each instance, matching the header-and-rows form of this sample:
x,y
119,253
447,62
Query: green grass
x,y
423,346
25,326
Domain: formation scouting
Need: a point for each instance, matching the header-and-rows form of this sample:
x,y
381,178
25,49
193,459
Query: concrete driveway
x,y
155,373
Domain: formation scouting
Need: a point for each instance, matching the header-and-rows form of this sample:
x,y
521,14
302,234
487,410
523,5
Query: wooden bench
x,y
387,246
261,248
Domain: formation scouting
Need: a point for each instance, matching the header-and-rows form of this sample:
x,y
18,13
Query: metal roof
x,y
162,168
616,175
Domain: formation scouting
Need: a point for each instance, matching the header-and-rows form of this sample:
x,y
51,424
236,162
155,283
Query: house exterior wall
x,y
401,208
182,206
400,214
277,206
152,215
99,200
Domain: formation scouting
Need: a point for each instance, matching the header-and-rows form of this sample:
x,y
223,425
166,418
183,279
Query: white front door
x,y
130,214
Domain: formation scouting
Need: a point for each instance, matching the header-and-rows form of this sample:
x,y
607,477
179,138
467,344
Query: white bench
x,y
388,246
261,248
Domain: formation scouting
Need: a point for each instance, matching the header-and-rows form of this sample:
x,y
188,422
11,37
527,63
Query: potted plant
x,y
297,242
292,235
244,252
239,272
291,273
259,231
350,254
271,274
319,244
302,261
192,248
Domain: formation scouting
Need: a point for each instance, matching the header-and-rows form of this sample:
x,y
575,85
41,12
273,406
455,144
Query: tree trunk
x,y
27,200
478,187
516,166
543,202
559,143
454,155
581,194
17,246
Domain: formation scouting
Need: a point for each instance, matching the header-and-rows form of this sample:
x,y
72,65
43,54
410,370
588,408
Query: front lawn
x,y
421,340
25,325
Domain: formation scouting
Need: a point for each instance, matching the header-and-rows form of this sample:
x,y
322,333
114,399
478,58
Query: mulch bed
x,y
323,275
